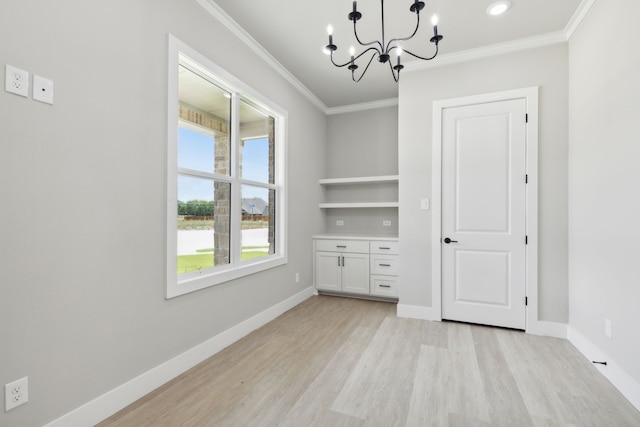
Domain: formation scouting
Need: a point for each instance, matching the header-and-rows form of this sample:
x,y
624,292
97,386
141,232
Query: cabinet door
x,y
355,273
328,271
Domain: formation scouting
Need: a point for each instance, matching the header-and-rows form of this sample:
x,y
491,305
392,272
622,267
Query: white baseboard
x,y
418,312
548,329
619,378
111,402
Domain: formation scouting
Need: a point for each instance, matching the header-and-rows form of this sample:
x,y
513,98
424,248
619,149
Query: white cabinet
x,y
342,272
384,268
356,265
342,266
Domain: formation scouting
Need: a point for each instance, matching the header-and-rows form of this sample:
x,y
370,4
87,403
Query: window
x,y
225,180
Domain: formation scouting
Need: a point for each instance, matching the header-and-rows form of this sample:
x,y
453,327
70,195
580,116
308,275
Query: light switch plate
x,y
42,89
424,204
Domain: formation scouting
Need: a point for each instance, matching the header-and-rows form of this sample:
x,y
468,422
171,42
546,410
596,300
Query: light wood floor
x,y
344,362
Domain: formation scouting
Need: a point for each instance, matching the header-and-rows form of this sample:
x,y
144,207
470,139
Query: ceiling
x,y
294,32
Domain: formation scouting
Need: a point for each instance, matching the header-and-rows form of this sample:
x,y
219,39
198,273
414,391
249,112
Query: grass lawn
x,y
187,263
207,224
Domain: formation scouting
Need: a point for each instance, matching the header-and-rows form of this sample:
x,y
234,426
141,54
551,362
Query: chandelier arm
x,y
365,69
396,78
420,57
366,44
405,38
355,58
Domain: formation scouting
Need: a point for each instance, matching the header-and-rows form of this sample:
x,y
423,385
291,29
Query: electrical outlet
x,y
297,277
340,223
16,393
607,328
16,81
386,223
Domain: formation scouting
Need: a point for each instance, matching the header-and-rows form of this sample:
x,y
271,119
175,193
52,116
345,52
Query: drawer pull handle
x,y
384,265
385,286
340,246
384,248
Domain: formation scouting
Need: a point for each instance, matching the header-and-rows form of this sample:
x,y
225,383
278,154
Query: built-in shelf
x,y
385,179
359,180
359,205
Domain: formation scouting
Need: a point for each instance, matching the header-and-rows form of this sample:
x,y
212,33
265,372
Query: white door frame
x,y
531,258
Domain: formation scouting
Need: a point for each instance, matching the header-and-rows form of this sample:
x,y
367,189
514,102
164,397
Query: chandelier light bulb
x,y
398,66
434,20
352,51
330,29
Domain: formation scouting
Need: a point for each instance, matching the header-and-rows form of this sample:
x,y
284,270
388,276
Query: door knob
x,y
448,240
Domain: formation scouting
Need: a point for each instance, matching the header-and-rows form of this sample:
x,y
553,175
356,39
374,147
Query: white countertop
x,y
383,237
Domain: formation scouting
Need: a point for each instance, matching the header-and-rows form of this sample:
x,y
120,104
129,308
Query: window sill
x,y
205,280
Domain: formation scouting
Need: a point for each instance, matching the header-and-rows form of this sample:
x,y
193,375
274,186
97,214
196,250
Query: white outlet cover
x,y
16,393
42,89
16,81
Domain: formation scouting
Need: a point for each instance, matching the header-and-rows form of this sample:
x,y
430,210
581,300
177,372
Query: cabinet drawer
x,y
384,247
384,264
384,286
348,246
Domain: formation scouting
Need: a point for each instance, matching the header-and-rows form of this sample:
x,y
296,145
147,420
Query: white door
x,y
484,213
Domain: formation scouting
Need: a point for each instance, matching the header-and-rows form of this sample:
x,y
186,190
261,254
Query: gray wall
x,y
363,143
544,67
82,190
603,183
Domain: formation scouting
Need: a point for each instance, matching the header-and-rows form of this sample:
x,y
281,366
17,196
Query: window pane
x,y
195,150
203,143
203,223
257,146
258,222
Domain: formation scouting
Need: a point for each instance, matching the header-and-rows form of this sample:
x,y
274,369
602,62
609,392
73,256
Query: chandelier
x,y
382,49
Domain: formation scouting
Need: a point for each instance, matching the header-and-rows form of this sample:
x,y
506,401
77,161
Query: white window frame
x,y
193,281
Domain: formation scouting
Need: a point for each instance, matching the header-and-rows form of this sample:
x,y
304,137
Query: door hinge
x,y
526,240
526,179
526,118
526,300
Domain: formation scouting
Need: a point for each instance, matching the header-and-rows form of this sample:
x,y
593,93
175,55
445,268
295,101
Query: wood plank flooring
x,y
345,362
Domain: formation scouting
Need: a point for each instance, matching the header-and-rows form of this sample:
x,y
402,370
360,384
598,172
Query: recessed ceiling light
x,y
499,7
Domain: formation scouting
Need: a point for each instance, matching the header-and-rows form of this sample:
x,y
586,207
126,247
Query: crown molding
x,y
489,51
362,107
583,10
235,28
